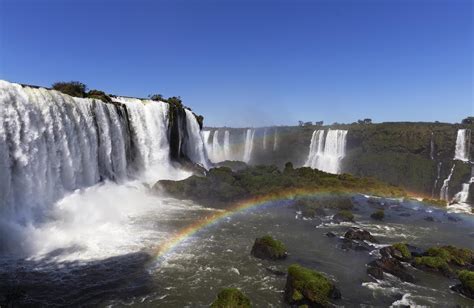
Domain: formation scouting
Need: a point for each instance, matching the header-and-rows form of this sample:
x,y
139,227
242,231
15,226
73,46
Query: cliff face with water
x,y
52,144
416,156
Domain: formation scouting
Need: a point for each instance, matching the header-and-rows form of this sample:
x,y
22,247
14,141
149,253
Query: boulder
x,y
305,286
268,248
359,235
378,215
399,251
394,267
343,215
375,272
231,297
466,287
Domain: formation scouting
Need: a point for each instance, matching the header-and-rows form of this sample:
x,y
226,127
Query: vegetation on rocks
x,y
222,185
403,249
96,94
267,247
344,215
231,298
305,286
467,283
378,215
73,88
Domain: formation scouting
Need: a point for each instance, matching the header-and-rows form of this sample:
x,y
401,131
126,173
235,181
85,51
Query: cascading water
x,y
194,148
438,175
264,145
275,140
249,135
218,151
328,157
432,149
463,195
54,146
463,142
444,193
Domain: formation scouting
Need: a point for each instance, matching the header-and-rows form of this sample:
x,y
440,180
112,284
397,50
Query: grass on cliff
x,y
222,185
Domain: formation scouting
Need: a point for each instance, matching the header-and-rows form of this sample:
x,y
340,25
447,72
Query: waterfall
x,y
227,151
206,135
444,194
52,144
432,150
463,142
264,139
275,140
248,145
218,151
438,174
326,153
194,148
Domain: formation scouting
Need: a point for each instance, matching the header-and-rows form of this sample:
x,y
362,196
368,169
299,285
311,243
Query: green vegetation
x,y
467,280
403,249
453,255
157,97
231,298
222,185
344,215
305,285
73,88
432,262
267,247
440,203
96,94
378,215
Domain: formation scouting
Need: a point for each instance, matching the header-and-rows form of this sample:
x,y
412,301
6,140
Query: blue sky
x,y
254,63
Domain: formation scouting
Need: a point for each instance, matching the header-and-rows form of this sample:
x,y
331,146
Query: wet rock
x,y
343,216
268,248
359,235
275,271
355,245
466,287
399,251
305,286
394,267
375,272
330,234
378,215
231,297
429,218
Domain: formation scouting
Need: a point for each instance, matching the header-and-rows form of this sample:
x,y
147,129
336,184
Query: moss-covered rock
x,y
403,249
437,264
305,286
343,215
378,215
357,234
467,283
267,247
231,298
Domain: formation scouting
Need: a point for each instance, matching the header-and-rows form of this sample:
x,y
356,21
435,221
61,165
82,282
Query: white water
x,y
432,146
249,135
444,194
326,153
275,140
264,139
194,146
463,195
53,147
438,175
463,141
218,151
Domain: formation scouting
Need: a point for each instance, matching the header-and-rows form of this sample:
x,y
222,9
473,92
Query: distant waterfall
x,y
463,195
218,151
326,153
432,149
248,145
264,139
444,193
438,175
463,142
275,140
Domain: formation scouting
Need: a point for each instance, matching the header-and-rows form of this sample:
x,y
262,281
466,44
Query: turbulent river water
x,y
121,269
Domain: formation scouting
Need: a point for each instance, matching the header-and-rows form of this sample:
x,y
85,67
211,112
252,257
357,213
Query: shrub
x,y
157,97
402,247
96,94
378,215
231,298
467,279
73,88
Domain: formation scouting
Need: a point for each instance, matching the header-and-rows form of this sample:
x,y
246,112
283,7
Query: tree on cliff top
x,y
73,88
157,97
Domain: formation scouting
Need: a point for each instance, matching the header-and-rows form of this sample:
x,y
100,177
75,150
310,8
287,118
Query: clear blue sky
x,y
253,63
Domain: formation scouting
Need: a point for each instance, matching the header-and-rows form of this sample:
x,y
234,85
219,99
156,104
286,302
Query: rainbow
x,y
187,232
